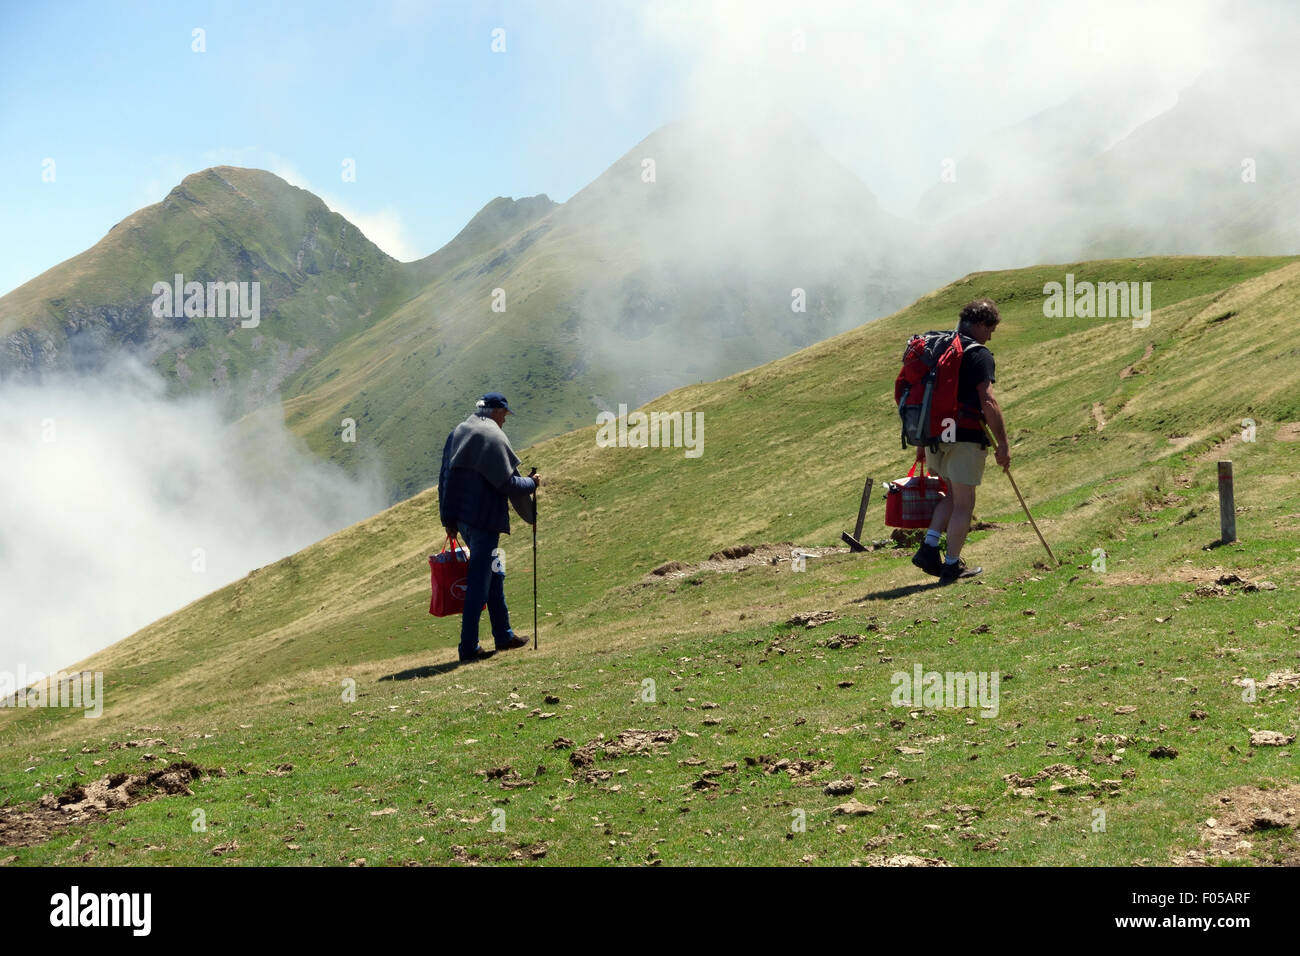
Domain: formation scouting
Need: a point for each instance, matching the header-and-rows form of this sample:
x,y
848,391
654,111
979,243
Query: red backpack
x,y
926,389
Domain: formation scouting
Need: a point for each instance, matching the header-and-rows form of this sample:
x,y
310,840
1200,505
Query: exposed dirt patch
x,y
811,619
639,741
1286,679
509,778
1240,816
796,769
841,641
583,759
529,851
84,803
1099,414
738,558
1217,450
1230,583
1065,779
1130,370
1288,432
853,808
1221,578
905,859
462,856
735,552
520,852
1270,738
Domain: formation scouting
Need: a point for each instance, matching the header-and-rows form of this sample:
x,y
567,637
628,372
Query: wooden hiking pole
x,y
530,475
1016,489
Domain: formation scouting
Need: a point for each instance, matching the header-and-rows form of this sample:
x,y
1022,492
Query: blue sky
x,y
439,124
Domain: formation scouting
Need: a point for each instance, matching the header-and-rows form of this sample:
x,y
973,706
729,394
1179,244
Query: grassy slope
x,y
249,677
406,379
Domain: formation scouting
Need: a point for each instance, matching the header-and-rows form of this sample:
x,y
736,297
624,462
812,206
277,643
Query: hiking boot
x,y
957,570
479,653
514,641
928,560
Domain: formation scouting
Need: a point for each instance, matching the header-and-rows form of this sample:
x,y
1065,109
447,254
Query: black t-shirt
x,y
976,368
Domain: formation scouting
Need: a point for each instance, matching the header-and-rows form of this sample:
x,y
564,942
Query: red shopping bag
x,y
449,569
910,501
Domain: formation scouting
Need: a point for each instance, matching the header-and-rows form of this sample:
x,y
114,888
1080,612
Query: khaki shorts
x,y
962,462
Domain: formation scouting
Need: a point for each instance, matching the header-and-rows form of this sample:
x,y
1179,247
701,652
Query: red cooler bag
x,y
910,501
450,570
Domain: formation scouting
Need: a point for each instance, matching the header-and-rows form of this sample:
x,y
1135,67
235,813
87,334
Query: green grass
x,y
251,677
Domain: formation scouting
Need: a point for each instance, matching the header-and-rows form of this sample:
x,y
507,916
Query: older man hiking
x,y
961,463
479,476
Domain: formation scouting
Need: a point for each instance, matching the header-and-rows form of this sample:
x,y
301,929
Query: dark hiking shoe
x,y
478,654
958,570
928,560
515,641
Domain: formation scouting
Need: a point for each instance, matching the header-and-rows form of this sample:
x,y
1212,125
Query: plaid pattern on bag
x,y
910,501
920,496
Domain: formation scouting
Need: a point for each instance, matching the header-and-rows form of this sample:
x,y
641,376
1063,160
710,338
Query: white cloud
x,y
98,527
893,88
383,227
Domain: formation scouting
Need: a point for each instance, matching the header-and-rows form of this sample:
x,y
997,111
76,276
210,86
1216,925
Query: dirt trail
x,y
1098,415
1130,370
1205,577
737,558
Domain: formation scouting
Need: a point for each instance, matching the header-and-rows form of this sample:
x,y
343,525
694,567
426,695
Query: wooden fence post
x,y
1227,510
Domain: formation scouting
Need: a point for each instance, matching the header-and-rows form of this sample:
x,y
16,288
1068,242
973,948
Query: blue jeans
x,y
483,583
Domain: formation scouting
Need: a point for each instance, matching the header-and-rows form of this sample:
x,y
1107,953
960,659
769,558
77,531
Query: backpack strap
x,y
976,412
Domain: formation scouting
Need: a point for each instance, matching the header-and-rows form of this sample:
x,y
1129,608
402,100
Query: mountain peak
x,y
492,225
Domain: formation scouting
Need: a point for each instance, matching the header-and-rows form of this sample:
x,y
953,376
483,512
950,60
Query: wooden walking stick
x,y
530,475
1022,501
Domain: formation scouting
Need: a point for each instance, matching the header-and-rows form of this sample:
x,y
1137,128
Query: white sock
x,y
932,538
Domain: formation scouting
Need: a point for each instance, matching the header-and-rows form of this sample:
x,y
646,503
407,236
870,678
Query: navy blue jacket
x,y
465,495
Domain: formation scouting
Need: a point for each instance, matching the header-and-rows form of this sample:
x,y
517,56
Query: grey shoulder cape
x,y
480,444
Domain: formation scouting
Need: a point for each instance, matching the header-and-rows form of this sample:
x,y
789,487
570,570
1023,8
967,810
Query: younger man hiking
x,y
479,475
961,463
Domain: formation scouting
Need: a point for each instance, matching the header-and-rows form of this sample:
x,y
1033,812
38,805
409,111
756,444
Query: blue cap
x,y
494,400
